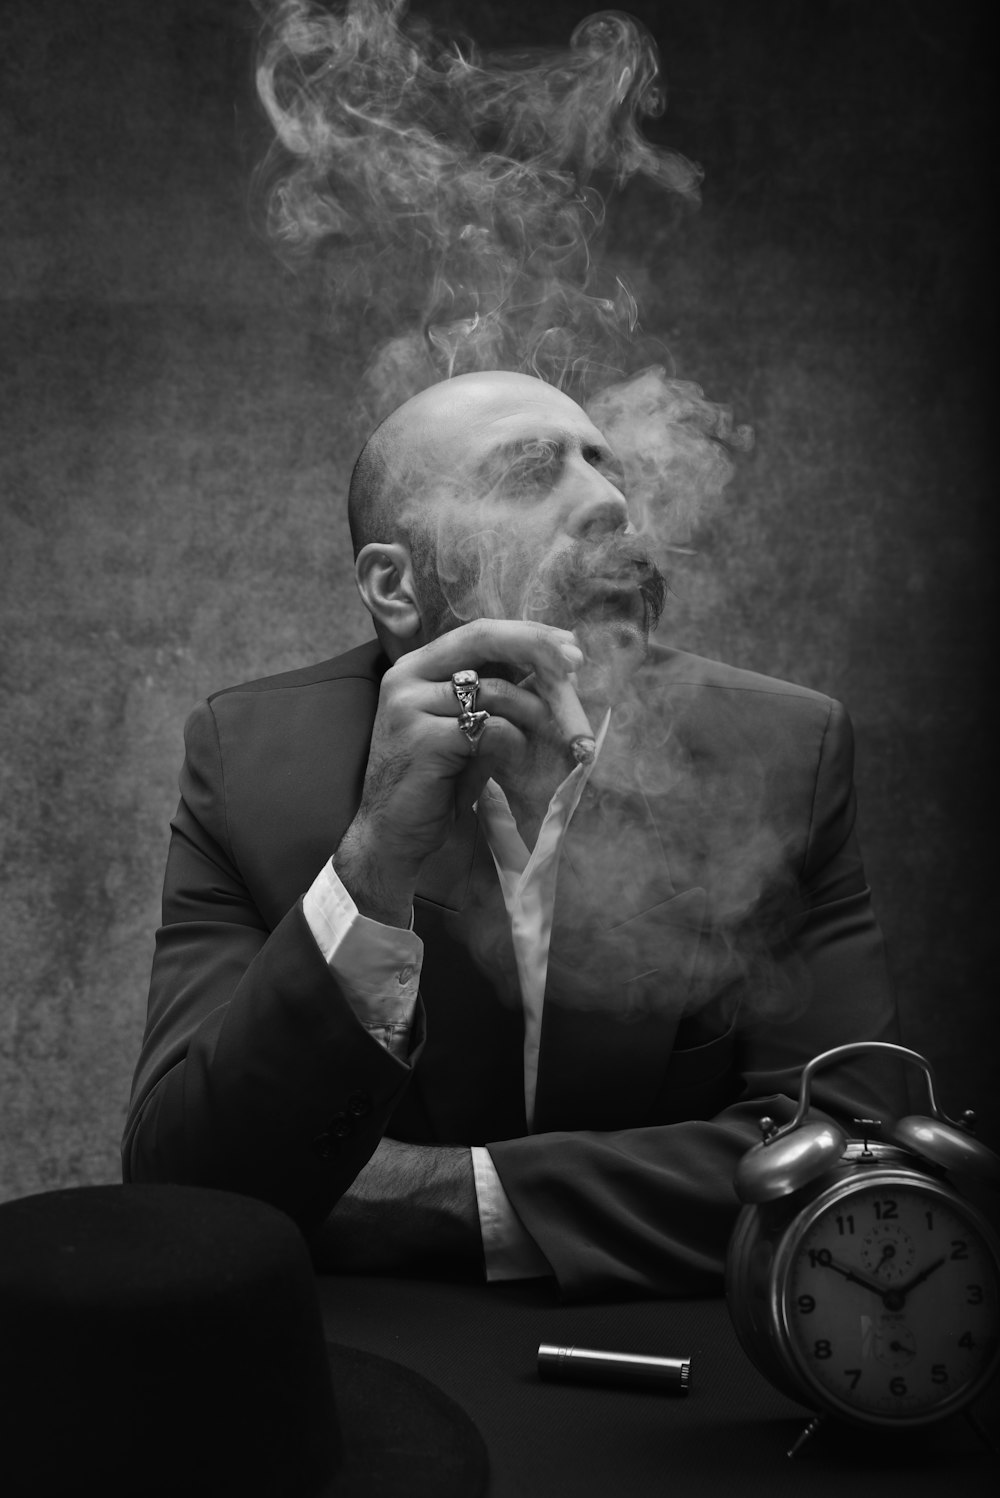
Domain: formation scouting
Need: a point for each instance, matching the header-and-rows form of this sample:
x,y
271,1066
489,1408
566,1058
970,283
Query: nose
x,y
599,509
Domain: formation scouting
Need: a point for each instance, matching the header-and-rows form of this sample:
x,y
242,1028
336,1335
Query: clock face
x,y
890,1300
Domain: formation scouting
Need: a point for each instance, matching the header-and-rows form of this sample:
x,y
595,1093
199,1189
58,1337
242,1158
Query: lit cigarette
x,y
587,1365
570,718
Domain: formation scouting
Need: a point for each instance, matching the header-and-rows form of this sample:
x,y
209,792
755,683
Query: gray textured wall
x,y
174,463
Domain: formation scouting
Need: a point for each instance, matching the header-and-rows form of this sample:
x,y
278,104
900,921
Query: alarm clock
x,y
858,1279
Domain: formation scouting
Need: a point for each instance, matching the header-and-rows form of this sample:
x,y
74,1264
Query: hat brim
x,y
402,1436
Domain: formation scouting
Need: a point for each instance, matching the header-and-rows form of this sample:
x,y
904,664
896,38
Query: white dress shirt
x,y
378,970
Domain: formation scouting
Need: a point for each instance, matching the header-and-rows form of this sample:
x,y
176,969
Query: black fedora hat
x,y
167,1341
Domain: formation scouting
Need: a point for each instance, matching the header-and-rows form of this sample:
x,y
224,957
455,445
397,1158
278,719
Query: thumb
x,y
470,783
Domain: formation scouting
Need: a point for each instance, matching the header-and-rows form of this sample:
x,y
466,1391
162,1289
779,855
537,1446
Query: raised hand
x,y
422,769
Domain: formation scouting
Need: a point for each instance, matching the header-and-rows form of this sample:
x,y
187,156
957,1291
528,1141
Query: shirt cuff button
x,y
404,975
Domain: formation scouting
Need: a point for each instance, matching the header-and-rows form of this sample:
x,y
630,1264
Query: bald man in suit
x,y
498,975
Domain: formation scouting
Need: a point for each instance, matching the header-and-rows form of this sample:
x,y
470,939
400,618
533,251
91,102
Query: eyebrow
x,y
516,447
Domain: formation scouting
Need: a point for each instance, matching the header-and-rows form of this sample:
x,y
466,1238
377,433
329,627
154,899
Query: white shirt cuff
x,y
376,966
509,1250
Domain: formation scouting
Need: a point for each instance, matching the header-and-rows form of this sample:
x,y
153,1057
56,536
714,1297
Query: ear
x,y
384,575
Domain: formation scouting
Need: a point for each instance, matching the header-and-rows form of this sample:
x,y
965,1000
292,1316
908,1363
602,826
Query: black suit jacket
x,y
682,999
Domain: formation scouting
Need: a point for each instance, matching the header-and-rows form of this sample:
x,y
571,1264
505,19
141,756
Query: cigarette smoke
x,y
453,203
676,449
452,200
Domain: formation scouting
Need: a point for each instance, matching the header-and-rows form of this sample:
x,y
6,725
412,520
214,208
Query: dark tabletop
x,y
729,1434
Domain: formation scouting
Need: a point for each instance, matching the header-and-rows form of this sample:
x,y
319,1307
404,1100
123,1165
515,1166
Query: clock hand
x,y
857,1279
918,1279
888,1252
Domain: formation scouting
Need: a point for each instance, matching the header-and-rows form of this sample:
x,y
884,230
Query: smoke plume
x,y
452,203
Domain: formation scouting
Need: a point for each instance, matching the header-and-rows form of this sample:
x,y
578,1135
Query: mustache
x,y
621,560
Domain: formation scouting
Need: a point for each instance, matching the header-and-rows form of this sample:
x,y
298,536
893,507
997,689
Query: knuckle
x,y
391,683
497,690
487,631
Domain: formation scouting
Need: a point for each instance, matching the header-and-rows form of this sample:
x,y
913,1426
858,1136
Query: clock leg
x,y
810,1430
981,1432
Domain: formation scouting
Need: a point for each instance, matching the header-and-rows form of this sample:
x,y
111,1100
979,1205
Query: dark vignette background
x,y
174,463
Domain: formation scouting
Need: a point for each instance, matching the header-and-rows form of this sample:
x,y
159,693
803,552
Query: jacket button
x,y
324,1146
358,1104
340,1126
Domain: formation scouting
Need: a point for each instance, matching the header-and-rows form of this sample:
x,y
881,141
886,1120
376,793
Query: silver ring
x,y
472,725
465,685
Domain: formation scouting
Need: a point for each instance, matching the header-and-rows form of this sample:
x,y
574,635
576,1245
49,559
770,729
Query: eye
x,y
535,466
605,461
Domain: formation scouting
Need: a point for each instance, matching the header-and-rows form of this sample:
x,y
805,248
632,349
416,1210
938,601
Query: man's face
x,y
527,517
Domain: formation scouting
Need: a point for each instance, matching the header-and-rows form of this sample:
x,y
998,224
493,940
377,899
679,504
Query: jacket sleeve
x,y
254,1075
650,1210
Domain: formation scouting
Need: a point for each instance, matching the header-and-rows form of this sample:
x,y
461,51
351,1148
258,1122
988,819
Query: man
x,y
629,929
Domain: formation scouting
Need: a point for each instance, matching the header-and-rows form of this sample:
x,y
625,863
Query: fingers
x,y
499,698
501,749
572,724
433,712
540,708
550,652
542,713
549,655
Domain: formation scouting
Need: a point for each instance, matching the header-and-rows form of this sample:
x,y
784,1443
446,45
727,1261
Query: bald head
x,y
490,495
435,437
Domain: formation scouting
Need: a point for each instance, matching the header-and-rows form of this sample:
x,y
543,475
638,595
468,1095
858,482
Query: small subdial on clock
x,y
887,1252
895,1343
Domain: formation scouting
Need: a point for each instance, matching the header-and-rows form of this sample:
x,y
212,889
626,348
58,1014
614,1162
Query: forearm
x,y
411,1209
271,1088
644,1211
650,1210
381,886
